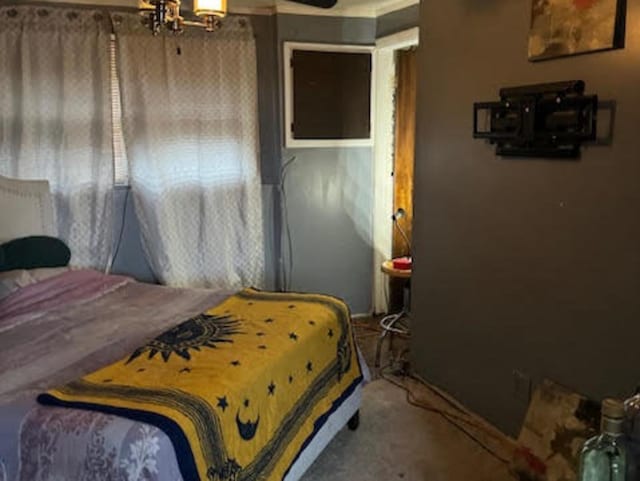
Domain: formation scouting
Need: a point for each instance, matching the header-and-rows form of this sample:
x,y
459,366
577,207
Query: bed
x,y
58,326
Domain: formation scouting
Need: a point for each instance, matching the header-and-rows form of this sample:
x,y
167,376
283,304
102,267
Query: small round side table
x,y
394,323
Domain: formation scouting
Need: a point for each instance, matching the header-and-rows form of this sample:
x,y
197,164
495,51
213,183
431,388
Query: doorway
x,y
403,161
394,149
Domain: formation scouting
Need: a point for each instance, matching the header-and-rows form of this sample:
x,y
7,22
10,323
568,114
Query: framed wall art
x,y
561,28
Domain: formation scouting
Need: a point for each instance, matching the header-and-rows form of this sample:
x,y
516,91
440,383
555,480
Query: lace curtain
x,y
189,106
55,118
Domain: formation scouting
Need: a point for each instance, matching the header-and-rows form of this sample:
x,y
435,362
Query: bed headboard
x,y
26,208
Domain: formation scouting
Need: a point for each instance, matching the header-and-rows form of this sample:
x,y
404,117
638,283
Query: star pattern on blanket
x,y
222,403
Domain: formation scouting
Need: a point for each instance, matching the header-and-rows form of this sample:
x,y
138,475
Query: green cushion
x,y
33,252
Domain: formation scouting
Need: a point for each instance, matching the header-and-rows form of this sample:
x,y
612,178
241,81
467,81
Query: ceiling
x,y
365,8
356,8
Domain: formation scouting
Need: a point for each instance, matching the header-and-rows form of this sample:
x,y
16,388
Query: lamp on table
x,y
398,268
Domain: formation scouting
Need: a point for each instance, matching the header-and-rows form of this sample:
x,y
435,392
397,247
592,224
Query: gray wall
x,y
521,264
329,198
321,29
129,257
264,30
330,191
397,21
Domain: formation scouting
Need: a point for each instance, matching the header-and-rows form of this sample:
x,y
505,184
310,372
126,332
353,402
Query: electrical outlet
x,y
521,385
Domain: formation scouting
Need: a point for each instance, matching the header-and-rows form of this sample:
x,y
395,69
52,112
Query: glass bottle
x,y
604,457
632,408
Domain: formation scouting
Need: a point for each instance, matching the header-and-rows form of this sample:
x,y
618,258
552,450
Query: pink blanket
x,y
60,290
58,330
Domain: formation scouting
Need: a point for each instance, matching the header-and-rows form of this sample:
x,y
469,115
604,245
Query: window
x,y
328,95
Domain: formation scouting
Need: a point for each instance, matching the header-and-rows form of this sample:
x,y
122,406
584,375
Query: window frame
x,y
289,140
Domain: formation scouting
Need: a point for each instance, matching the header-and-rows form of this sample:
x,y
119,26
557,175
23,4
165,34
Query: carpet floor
x,y
398,441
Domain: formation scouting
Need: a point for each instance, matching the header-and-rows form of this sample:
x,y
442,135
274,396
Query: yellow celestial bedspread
x,y
239,389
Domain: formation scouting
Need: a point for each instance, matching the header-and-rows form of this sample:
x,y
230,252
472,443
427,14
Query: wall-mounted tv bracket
x,y
545,120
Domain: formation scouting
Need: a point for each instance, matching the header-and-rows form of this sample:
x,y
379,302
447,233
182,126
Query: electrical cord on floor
x,y
454,419
411,399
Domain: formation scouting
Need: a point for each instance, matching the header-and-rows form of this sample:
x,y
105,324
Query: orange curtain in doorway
x,y
405,141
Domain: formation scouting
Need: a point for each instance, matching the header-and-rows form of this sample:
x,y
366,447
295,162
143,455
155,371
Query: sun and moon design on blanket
x,y
207,331
214,362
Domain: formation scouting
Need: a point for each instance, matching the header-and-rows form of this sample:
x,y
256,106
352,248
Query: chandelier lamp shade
x,y
165,15
210,8
210,11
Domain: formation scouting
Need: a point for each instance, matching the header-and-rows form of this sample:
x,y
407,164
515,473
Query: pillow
x,y
33,252
11,281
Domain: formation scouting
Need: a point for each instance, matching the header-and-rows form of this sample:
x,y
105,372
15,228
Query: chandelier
x,y
165,14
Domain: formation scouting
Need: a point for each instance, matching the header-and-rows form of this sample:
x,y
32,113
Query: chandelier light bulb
x,y
206,8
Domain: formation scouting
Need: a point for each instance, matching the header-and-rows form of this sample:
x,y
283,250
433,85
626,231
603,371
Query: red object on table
x,y
402,263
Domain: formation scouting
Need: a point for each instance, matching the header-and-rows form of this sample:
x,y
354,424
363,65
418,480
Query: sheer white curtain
x,y
55,117
189,108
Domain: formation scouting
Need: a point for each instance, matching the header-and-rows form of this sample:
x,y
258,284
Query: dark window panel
x,y
331,95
